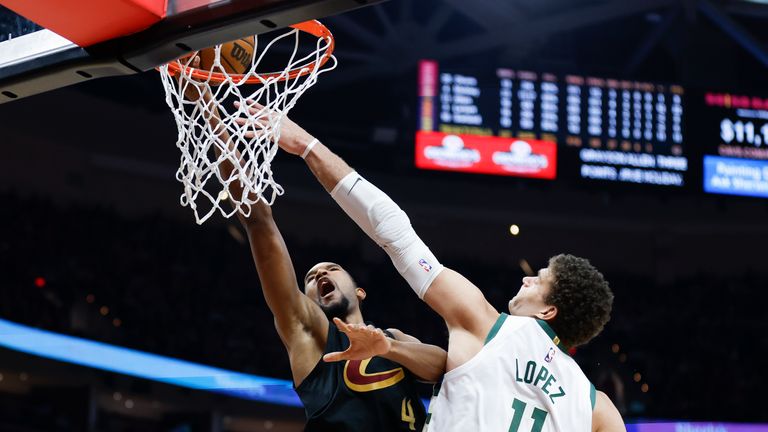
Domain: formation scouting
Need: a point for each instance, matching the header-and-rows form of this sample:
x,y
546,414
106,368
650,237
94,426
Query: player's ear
x,y
548,313
360,293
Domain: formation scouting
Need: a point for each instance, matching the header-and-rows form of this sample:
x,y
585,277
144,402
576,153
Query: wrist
x,y
301,142
260,214
309,147
393,350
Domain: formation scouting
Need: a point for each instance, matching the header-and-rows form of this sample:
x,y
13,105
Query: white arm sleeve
x,y
390,228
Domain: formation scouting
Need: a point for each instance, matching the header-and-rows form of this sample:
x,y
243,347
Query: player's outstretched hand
x,y
365,341
293,139
192,90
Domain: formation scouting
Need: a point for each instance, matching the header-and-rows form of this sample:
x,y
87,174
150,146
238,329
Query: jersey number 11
x,y
538,416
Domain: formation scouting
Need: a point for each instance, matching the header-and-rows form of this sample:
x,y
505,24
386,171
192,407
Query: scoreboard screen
x,y
541,125
733,131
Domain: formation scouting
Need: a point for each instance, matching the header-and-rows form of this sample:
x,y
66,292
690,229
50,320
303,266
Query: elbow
x,y
436,372
434,377
392,227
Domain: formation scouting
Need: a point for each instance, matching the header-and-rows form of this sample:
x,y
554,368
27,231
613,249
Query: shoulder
x,y
511,323
605,416
518,320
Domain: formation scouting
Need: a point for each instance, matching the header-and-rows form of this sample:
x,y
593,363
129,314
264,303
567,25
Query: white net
x,y
213,131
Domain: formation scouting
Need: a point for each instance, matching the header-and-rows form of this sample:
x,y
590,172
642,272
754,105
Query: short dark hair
x,y
582,297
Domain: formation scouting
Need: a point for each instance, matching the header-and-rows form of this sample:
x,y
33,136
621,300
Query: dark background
x,y
89,202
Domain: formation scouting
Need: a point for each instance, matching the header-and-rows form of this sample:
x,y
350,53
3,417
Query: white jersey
x,y
520,381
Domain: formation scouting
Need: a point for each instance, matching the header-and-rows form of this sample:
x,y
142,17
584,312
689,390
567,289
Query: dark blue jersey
x,y
360,396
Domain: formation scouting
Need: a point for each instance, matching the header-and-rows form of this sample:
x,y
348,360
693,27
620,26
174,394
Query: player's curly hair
x,y
582,297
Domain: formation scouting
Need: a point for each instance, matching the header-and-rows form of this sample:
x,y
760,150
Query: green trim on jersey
x,y
436,388
495,329
592,395
552,335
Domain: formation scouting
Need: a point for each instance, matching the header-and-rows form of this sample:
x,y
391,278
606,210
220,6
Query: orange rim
x,y
313,27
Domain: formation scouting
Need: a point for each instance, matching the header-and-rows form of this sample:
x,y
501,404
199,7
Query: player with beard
x,y
505,372
350,391
359,393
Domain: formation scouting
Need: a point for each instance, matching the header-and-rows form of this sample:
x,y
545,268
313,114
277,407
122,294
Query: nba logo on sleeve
x,y
550,355
425,265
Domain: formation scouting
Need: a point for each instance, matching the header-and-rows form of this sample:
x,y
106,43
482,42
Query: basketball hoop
x,y
264,99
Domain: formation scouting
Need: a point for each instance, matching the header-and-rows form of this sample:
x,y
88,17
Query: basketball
x,y
236,56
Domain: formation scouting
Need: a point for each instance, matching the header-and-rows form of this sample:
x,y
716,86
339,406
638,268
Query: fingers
x,y
190,61
187,63
254,129
261,115
242,121
341,325
361,329
355,328
252,106
191,90
334,356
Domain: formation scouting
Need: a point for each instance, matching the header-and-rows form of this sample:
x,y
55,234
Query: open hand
x,y
365,341
293,139
192,89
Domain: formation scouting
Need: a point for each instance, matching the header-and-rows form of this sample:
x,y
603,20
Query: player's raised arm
x,y
456,299
294,313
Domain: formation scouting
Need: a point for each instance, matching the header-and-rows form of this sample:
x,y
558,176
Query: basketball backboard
x,y
34,59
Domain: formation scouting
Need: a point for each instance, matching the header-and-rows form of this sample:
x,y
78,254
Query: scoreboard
x,y
542,125
733,131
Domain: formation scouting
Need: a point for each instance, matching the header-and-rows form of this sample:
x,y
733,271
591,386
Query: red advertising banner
x,y
486,155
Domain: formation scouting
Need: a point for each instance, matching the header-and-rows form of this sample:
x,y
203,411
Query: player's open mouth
x,y
325,287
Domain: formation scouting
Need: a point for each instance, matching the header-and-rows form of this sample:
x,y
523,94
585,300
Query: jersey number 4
x,y
538,416
407,415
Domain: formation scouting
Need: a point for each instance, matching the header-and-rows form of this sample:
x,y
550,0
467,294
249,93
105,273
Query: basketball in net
x,y
235,57
250,85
